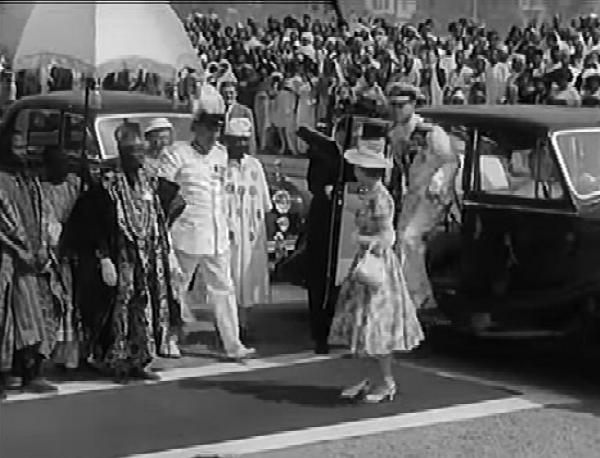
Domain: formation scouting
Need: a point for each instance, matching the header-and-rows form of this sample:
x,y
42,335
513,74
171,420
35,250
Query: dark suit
x,y
323,170
237,110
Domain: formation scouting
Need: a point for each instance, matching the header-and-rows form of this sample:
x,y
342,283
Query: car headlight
x,y
282,201
283,223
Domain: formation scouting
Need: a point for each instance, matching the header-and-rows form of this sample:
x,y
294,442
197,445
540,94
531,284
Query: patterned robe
x,y
59,202
28,312
125,325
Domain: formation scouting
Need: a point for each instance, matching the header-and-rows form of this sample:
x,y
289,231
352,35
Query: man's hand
x,y
109,272
41,260
54,232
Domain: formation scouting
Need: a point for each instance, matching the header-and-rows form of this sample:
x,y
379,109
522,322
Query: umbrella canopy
x,y
99,38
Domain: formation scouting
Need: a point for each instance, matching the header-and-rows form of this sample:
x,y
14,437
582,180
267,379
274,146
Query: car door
x,y
519,222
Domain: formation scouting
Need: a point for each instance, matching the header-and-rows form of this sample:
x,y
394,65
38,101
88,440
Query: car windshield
x,y
106,126
581,155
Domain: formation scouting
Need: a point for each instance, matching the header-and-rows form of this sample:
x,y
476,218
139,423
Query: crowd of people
x,y
294,72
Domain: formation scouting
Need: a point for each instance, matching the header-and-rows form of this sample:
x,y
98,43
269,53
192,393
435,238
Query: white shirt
x,y
202,228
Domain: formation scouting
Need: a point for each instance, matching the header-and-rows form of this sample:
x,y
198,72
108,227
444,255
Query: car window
x,y
579,150
40,127
517,166
73,136
106,127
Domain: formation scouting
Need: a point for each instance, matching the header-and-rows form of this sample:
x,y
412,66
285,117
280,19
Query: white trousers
x,y
215,271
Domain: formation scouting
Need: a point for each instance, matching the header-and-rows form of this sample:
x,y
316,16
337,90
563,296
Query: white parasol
x,y
99,38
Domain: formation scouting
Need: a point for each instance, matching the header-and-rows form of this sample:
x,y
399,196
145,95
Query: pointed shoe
x,y
354,391
380,394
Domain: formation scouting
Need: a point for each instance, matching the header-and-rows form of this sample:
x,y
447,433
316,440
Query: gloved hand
x,y
109,272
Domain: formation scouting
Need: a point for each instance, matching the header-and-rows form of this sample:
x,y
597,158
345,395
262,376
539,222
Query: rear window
x,y
106,127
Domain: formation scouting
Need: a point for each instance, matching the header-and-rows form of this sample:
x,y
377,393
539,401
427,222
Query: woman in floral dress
x,y
375,321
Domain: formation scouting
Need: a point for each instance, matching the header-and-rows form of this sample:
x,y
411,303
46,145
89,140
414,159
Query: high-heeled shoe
x,y
382,393
354,391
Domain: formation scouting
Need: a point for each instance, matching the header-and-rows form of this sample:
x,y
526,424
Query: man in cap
x,y
234,109
428,167
159,135
201,234
248,202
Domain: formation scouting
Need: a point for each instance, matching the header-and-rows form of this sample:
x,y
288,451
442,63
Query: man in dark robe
x,y
128,305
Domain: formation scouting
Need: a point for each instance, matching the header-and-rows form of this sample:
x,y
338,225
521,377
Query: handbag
x,y
370,270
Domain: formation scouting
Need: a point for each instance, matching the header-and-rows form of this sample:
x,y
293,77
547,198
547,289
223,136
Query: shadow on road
x,y
310,395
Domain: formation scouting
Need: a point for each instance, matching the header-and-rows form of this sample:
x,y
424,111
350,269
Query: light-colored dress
x,y
248,202
306,113
285,115
376,320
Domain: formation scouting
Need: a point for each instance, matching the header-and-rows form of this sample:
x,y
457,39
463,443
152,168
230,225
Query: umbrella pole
x,y
86,106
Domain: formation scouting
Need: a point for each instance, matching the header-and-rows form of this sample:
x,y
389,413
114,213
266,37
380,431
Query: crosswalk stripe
x,y
282,440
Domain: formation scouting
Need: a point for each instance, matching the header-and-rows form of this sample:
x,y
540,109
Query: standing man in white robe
x,y
201,234
248,202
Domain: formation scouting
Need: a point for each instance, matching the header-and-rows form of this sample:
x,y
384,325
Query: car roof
x,y
112,102
519,117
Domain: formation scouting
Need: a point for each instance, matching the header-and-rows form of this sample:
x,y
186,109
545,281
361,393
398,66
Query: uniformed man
x,y
325,164
428,168
200,235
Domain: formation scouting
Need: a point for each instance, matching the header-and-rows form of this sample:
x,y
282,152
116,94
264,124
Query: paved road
x,y
462,400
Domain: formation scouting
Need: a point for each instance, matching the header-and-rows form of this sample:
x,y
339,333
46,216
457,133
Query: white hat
x,y
239,127
459,94
369,154
158,124
210,106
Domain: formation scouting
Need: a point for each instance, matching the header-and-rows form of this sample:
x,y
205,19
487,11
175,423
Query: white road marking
x,y
170,375
278,441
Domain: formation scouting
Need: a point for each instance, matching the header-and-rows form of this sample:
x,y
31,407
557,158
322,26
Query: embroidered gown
x,y
248,202
127,324
376,321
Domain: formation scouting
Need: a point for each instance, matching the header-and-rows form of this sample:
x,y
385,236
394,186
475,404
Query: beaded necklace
x,y
136,206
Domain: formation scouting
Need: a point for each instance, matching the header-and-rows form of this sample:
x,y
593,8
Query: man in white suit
x,y
201,234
